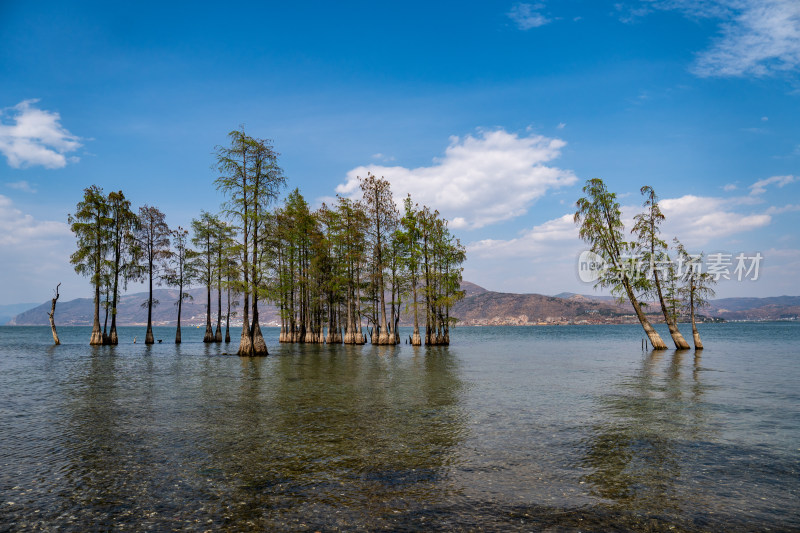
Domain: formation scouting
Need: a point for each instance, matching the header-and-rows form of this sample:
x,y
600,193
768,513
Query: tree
x,y
382,216
91,225
599,217
106,302
654,254
251,179
696,289
413,257
153,238
181,272
123,223
223,245
231,277
52,314
203,260
442,256
349,236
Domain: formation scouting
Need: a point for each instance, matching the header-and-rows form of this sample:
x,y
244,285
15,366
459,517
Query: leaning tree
x,y
599,218
696,288
654,254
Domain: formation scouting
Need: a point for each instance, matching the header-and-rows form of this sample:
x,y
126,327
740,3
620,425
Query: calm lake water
x,y
510,428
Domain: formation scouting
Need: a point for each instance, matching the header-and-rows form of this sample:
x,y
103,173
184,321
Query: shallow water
x,y
566,428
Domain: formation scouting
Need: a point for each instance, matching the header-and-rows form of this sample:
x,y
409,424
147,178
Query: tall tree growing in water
x,y
181,272
411,237
599,218
251,179
203,260
153,238
91,225
382,215
223,248
654,253
350,237
124,223
696,289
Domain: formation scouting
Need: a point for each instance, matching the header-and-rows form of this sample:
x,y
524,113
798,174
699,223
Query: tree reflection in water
x,y
636,457
345,431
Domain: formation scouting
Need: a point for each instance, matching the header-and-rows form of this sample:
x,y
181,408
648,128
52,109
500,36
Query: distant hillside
x,y
769,308
129,311
7,312
479,307
502,308
772,308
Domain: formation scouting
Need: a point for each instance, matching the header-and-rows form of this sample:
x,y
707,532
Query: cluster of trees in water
x,y
338,267
642,268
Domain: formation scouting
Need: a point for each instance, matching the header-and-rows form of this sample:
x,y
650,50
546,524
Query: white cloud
x,y
698,220
381,157
729,187
35,137
760,186
561,125
788,208
762,37
527,16
542,259
755,37
36,257
23,186
20,229
543,241
480,180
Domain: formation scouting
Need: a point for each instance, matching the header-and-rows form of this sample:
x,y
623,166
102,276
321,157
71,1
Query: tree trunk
x,y
148,338
97,335
209,335
677,338
113,339
51,314
218,332
246,341
652,334
106,338
228,319
259,346
258,343
698,344
180,303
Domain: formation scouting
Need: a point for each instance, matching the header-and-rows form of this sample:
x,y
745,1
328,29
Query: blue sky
x,y
493,112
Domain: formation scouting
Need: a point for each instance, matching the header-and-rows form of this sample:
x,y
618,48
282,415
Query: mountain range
x,y
479,307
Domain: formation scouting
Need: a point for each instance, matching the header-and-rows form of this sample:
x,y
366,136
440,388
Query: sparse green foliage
x,y
251,180
91,225
181,272
599,218
653,253
696,288
153,239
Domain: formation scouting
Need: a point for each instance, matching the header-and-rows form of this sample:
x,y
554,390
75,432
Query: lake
x,y
509,428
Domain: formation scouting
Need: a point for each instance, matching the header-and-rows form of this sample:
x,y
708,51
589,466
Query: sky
x,y
494,113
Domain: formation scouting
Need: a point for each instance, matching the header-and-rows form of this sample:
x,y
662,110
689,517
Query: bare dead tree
x,y
51,314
